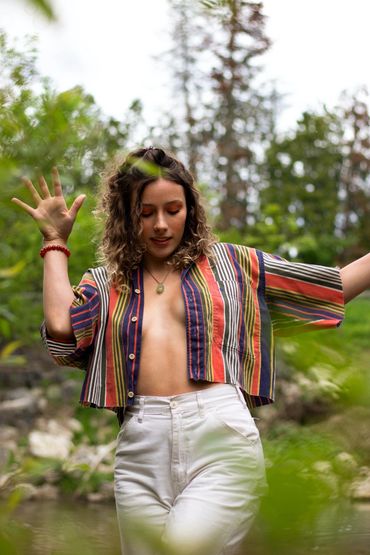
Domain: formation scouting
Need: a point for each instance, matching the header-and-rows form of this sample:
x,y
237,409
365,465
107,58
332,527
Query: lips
x,y
161,241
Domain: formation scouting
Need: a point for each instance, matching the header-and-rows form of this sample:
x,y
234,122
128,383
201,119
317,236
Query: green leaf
x,y
13,271
9,349
44,7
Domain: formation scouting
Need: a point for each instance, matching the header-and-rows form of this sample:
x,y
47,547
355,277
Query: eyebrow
x,y
179,201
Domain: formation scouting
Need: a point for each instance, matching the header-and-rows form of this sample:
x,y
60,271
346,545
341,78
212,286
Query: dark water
x,y
76,528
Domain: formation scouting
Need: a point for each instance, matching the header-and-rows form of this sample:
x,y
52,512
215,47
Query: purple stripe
x,y
197,329
266,332
287,309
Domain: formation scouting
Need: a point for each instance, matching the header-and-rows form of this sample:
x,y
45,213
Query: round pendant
x,y
160,288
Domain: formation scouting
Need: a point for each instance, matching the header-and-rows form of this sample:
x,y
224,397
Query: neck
x,y
156,266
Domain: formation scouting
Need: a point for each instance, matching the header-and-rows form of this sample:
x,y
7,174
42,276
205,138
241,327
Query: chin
x,y
161,255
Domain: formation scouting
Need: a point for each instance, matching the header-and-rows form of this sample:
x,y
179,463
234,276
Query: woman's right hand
x,y
51,214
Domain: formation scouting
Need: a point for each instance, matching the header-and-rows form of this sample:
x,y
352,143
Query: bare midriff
x,y
163,369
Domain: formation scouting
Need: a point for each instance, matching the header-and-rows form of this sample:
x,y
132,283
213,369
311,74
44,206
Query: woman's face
x,y
163,219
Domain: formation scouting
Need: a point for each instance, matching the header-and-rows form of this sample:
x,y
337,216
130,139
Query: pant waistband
x,y
186,402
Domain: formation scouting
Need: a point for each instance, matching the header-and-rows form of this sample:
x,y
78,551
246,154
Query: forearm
x,y
57,294
356,277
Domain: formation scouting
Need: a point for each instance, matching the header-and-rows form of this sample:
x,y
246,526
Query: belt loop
x,y
241,397
200,404
141,412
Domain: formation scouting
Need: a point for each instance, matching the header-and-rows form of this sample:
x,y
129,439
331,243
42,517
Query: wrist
x,y
55,247
47,242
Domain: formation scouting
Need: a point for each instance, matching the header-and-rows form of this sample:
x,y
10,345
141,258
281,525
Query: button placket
x,y
134,331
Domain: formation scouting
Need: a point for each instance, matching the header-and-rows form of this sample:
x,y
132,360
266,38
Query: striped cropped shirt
x,y
233,308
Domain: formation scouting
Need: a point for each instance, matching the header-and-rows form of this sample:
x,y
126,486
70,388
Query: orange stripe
x,y
110,382
87,281
218,326
330,323
256,372
310,289
84,342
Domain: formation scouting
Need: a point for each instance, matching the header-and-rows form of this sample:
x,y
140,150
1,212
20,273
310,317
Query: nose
x,y
160,223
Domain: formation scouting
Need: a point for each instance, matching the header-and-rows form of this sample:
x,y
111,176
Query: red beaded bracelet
x,y
44,250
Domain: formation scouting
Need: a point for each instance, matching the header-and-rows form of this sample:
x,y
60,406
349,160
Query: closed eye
x,y
171,212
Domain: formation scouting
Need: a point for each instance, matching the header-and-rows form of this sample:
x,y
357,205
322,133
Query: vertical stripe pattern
x,y
233,308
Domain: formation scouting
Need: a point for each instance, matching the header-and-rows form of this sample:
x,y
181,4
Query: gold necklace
x,y
160,287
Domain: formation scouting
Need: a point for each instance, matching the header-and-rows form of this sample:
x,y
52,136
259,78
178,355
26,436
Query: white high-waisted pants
x,y
189,473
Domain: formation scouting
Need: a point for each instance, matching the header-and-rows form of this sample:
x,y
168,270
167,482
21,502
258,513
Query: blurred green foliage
x,y
304,175
314,198
15,537
336,360
41,128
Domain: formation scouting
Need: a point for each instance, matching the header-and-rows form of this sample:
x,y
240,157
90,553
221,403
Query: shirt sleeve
x,y
302,297
84,312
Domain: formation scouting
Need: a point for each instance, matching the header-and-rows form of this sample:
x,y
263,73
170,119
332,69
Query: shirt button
x,y
131,394
137,291
134,319
131,356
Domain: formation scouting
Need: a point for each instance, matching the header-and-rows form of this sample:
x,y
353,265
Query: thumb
x,y
78,202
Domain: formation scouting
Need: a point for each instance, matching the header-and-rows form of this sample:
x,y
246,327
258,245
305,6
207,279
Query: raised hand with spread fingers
x,y
51,213
55,222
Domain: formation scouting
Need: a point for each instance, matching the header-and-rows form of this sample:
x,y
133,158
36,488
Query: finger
x,y
76,206
44,187
34,193
23,205
56,182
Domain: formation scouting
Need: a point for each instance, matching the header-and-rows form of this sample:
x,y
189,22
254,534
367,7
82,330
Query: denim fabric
x,y
189,473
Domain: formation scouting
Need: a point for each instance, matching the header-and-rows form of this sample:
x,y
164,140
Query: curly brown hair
x,y
120,249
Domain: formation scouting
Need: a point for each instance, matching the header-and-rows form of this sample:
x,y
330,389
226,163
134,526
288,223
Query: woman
x,y
182,369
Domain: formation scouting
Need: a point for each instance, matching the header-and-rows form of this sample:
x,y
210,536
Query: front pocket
x,y
239,421
129,419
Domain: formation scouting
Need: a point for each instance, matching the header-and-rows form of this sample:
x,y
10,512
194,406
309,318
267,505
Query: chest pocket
x,y
230,321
